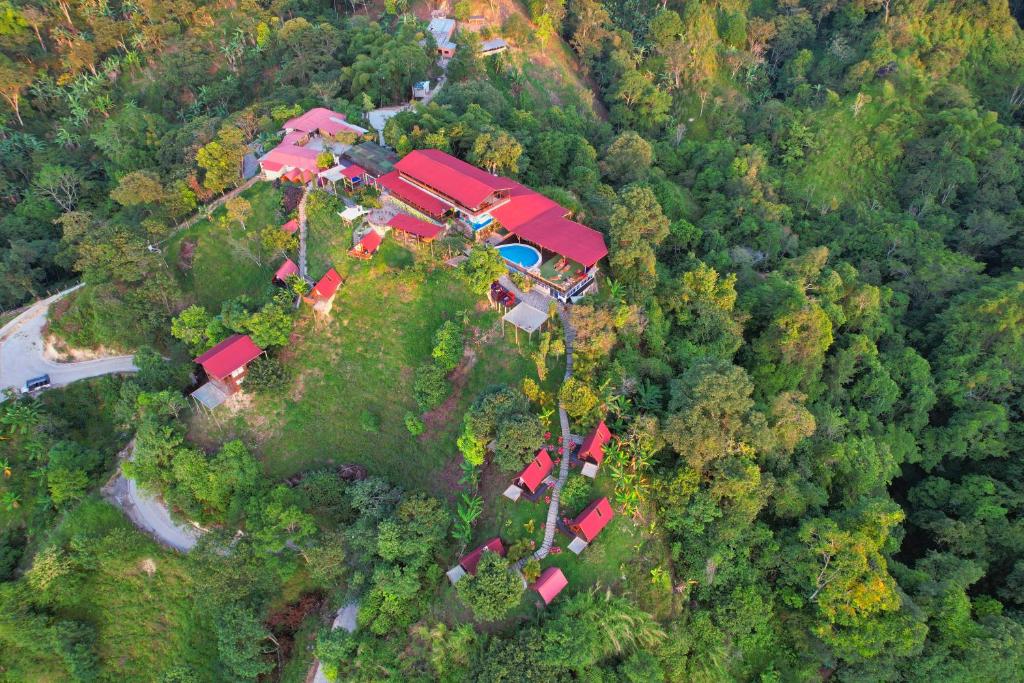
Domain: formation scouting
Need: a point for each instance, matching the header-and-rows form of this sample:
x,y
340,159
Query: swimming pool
x,y
522,254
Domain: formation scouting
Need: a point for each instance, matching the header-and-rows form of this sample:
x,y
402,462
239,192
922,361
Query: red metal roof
x,y
323,120
534,473
526,205
563,236
291,226
594,518
291,156
371,241
592,447
550,583
354,171
465,183
425,202
470,561
414,226
272,166
287,269
328,284
234,352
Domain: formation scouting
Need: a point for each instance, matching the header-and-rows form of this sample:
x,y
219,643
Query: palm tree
x,y
21,417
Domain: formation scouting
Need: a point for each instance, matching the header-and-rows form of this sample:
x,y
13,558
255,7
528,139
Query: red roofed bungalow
x,y
291,226
589,523
468,564
226,362
367,246
323,121
591,451
550,583
327,286
287,269
415,228
532,476
294,159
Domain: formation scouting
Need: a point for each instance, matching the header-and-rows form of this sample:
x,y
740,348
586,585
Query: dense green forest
x,y
810,340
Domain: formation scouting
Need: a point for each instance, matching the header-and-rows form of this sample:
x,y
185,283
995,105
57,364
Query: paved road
x,y
21,352
149,514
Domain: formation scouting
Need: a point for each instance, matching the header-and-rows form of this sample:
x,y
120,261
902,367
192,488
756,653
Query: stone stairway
x,y
302,234
551,525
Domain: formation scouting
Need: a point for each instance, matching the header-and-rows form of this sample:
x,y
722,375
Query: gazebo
x,y
524,317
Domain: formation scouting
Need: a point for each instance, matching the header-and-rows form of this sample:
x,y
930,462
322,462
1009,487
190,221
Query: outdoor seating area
x,y
562,271
502,296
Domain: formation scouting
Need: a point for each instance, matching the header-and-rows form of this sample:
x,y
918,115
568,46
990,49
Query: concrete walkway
x,y
22,352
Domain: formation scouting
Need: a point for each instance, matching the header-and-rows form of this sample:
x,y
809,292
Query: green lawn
x,y
218,273
363,358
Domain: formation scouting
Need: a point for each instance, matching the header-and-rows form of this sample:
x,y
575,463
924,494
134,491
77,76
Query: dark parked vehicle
x,y
39,382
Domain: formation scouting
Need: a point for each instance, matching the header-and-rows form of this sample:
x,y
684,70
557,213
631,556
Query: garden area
x,y
220,257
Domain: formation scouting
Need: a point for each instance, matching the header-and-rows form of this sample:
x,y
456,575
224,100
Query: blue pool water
x,y
523,254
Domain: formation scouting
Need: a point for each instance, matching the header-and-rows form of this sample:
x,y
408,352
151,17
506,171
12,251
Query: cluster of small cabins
x,y
532,484
432,192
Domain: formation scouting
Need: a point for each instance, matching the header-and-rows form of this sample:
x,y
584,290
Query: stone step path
x,y
302,234
551,525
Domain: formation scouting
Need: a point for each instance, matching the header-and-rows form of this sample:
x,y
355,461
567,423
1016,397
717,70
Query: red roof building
x,y
227,360
291,227
470,561
413,195
354,171
593,518
461,183
550,583
415,227
592,448
327,286
323,121
287,269
535,473
367,246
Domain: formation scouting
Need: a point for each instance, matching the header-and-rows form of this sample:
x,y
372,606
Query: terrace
x,y
562,276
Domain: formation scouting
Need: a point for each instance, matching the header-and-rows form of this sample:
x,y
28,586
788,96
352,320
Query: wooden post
x,y
516,327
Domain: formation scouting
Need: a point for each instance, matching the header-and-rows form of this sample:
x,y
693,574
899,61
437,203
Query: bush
x,y
575,494
494,591
521,281
519,438
266,375
430,387
577,398
369,422
448,345
323,489
414,424
531,570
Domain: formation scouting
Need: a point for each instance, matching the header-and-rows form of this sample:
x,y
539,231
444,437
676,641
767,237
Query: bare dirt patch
x,y
186,255
58,350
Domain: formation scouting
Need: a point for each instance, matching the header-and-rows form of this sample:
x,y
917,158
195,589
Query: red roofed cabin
x,y
589,523
291,227
532,477
225,364
469,563
325,288
591,452
287,269
550,583
367,246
